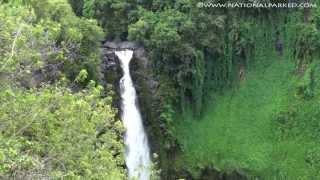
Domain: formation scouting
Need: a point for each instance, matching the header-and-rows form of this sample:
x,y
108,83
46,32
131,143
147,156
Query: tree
x,y
51,132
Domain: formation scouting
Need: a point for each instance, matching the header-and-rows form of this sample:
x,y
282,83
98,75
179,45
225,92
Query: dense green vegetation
x,y
51,132
225,99
56,121
265,128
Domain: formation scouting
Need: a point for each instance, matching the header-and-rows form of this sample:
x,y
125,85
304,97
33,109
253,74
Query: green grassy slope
x,y
262,127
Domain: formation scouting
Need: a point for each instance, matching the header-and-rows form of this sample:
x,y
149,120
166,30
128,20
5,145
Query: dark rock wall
x,y
146,86
141,73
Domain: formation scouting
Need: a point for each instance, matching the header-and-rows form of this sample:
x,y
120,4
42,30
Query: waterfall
x,y
137,149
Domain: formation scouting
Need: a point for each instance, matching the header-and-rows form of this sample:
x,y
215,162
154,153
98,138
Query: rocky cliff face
x,y
147,86
141,72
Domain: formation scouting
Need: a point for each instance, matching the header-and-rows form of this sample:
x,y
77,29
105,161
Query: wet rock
x,y
121,45
142,76
110,45
128,45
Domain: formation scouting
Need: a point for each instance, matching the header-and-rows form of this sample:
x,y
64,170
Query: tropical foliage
x,y
56,121
227,99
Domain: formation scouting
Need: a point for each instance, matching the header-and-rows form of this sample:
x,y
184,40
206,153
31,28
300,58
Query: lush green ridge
x,y
249,124
223,97
56,121
52,133
261,128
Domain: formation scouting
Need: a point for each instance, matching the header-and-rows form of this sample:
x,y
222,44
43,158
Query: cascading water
x,y
138,154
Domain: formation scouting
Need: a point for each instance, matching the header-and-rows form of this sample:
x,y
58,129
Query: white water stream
x,y
137,149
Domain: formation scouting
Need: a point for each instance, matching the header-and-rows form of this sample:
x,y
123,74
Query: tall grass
x,y
240,129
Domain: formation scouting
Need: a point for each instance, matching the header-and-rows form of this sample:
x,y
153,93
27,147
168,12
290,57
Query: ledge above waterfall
x,y
121,45
139,54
